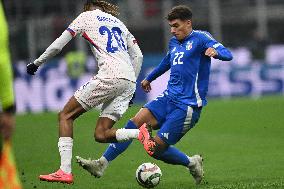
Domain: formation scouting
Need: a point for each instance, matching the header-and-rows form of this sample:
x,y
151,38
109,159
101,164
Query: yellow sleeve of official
x,y
6,76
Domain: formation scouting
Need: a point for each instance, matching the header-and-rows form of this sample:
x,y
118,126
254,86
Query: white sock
x,y
65,145
191,162
126,134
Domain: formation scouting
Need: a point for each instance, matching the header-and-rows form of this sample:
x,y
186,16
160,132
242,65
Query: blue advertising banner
x,y
51,87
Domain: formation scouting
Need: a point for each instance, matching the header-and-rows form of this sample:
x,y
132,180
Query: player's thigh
x,y
178,123
72,109
114,108
145,116
158,109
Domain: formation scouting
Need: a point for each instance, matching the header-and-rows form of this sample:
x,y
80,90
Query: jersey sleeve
x,y
78,25
135,53
6,84
160,69
6,72
54,48
223,52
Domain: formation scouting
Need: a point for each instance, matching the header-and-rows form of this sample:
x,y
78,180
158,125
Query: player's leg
x,y
174,156
83,100
66,117
170,133
112,111
157,114
175,127
97,167
105,133
70,112
143,116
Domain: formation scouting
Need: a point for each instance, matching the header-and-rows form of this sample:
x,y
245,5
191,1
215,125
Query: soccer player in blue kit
x,y
178,108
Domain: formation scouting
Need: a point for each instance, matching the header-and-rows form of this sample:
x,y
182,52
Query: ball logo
x,y
151,169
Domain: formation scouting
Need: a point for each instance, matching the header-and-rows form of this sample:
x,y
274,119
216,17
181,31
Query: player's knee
x,y
61,116
64,116
137,121
100,137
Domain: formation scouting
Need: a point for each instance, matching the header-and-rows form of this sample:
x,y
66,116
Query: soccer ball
x,y
148,175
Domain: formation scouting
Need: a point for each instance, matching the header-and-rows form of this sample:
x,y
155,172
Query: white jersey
x,y
110,40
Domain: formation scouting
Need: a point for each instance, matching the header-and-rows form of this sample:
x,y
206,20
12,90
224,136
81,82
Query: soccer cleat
x,y
95,167
58,176
145,137
150,146
196,170
145,132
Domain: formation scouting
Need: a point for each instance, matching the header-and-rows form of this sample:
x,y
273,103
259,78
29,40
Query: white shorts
x,y
113,95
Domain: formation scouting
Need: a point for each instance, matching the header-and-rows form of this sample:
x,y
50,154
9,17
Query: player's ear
x,y
189,23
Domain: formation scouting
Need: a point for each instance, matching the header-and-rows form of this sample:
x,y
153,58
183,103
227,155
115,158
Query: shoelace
x,y
56,175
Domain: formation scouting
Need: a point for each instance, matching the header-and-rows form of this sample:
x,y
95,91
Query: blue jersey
x,y
189,68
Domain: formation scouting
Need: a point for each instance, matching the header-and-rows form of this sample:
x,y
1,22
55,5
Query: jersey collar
x,y
186,38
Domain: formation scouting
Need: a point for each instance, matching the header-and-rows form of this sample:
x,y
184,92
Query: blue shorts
x,y
173,121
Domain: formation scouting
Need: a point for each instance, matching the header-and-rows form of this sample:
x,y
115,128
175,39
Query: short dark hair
x,y
182,12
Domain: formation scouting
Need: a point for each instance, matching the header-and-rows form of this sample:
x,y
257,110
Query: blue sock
x,y
115,149
173,156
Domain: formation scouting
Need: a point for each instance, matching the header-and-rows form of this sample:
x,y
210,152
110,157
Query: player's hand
x,y
211,52
32,68
146,86
131,101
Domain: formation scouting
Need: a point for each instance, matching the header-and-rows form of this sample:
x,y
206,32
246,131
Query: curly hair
x,y
106,6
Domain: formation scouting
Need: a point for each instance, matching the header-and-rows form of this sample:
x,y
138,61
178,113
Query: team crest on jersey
x,y
189,45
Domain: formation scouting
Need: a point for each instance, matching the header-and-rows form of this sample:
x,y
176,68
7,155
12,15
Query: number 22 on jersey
x,y
177,58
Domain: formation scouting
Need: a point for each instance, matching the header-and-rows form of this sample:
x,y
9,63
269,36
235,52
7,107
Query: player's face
x,y
180,28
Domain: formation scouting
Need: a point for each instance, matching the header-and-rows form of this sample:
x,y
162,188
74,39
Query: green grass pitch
x,y
242,141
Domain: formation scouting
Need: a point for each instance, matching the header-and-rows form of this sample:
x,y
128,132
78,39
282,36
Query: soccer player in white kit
x,y
119,59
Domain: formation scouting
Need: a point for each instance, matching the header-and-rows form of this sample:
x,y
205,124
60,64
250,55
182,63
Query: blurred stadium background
x,y
252,29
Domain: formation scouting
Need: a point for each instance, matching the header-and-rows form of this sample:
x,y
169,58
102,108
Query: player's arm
x,y
75,27
158,71
7,102
215,49
135,54
222,52
54,48
50,52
